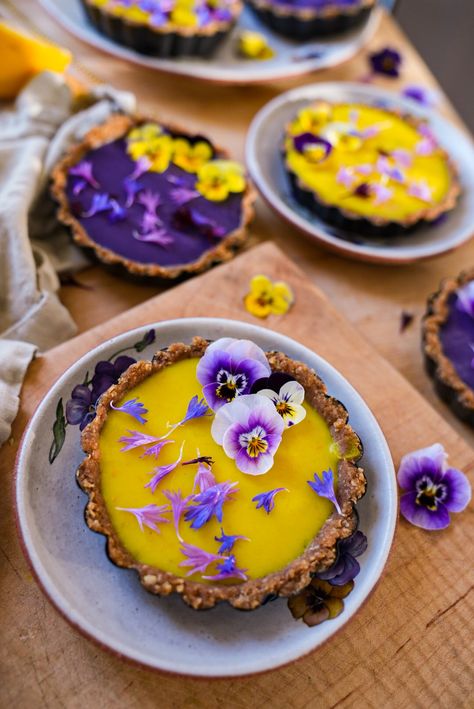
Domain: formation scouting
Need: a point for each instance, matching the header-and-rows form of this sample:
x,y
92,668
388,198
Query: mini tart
x,y
192,232
367,169
315,552
310,19
448,336
165,28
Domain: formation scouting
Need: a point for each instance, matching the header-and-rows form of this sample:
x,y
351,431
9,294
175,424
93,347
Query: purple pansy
x,y
178,505
197,558
465,299
266,500
162,471
431,489
227,541
307,143
250,431
387,61
228,569
132,407
345,567
324,487
209,503
148,516
228,369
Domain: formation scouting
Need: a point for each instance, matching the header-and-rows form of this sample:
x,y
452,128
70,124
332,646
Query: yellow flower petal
x,y
266,297
260,283
256,307
253,45
283,290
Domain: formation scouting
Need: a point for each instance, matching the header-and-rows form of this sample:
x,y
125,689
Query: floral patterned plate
x,y
106,603
290,58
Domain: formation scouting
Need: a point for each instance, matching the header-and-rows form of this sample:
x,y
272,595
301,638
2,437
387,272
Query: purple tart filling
x,y
457,339
318,4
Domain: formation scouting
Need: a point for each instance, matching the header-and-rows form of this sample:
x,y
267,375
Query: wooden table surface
x,y
372,297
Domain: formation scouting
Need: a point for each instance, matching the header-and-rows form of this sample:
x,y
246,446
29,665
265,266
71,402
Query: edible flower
x,y
253,45
117,213
385,167
148,516
228,369
163,470
267,297
101,202
83,170
182,195
431,489
227,541
250,431
345,176
178,505
204,478
314,148
324,487
136,439
382,193
160,237
150,200
227,570
319,601
219,178
402,157
465,298
132,188
421,190
286,394
209,503
387,62
134,408
197,558
150,222
311,118
158,150
155,450
146,132
191,156
141,166
345,567
266,500
420,94
196,409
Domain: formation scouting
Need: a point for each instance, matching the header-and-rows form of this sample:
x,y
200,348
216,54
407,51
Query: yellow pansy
x,y
310,120
253,45
191,157
218,178
266,296
183,17
145,132
159,152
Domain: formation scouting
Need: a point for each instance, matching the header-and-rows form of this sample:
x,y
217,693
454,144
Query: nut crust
x,y
115,127
250,594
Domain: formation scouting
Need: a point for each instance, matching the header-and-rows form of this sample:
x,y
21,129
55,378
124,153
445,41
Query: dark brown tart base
x,y
321,551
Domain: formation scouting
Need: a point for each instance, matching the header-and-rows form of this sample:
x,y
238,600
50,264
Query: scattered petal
x,y
324,486
227,570
227,541
197,558
163,470
148,516
134,408
266,500
209,503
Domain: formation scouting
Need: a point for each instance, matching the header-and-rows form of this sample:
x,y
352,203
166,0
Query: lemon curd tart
x,y
368,169
221,473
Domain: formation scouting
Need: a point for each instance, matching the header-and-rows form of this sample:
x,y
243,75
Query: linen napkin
x,y
33,246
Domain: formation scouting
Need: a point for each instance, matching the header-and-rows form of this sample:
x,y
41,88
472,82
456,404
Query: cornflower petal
x,y
84,171
227,541
148,516
324,487
228,569
197,558
209,503
266,500
134,408
178,505
163,470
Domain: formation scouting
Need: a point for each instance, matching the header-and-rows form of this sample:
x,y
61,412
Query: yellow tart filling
x,y
271,539
367,160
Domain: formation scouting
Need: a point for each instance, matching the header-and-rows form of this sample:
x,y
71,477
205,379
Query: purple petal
x,y
428,460
421,516
458,490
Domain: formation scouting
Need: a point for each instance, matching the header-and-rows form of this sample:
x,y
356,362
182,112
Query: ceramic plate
x,y
266,168
108,604
291,58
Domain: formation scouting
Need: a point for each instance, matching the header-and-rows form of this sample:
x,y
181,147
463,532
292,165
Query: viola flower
x,y
312,118
324,487
432,490
158,236
319,601
345,567
108,373
150,200
146,132
158,150
133,407
266,500
387,62
250,431
228,369
253,45
314,148
228,570
227,541
100,203
182,195
420,94
465,298
286,394
217,179
191,156
148,516
178,505
197,558
84,171
421,190
209,503
163,470
267,297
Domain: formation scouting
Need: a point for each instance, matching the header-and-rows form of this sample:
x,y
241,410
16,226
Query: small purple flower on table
x,y
197,558
387,62
286,394
346,567
228,369
324,487
465,299
227,541
178,505
228,570
250,431
425,97
148,516
431,489
209,503
266,500
132,407
162,471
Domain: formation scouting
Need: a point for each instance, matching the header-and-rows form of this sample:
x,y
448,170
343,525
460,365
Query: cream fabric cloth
x,y
33,246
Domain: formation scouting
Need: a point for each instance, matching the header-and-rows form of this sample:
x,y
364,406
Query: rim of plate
x,y
77,619
316,229
212,72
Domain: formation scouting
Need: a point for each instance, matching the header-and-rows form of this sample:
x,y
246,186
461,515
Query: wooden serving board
x,y
410,645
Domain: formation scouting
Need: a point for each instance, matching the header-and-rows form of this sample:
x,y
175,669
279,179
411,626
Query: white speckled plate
x,y
225,66
108,604
266,168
